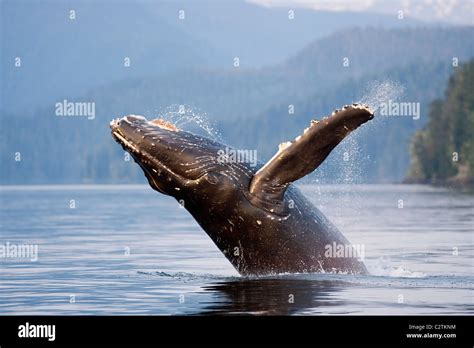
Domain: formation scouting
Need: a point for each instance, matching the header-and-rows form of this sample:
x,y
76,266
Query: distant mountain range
x,y
64,53
173,64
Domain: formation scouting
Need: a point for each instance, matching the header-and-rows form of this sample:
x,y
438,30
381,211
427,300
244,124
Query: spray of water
x,y
349,159
190,119
378,92
384,267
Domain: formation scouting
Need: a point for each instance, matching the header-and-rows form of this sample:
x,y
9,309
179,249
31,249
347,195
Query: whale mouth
x,y
129,131
121,139
166,154
128,144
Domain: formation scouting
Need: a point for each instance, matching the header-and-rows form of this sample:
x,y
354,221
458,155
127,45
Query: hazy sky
x,y
451,11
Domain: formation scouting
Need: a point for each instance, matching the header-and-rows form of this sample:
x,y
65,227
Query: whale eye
x,y
212,178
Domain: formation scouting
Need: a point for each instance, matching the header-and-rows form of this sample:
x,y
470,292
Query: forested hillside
x,y
443,151
249,107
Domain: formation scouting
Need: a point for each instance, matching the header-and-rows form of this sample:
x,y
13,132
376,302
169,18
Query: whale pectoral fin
x,y
303,155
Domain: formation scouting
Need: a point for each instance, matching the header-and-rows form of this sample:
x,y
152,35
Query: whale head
x,y
181,164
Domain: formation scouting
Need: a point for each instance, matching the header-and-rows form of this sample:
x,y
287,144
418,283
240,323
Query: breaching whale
x,y
259,220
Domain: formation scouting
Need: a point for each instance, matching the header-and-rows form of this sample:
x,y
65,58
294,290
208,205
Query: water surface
x,y
129,250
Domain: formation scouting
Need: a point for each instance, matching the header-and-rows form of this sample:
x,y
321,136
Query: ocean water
x,y
128,250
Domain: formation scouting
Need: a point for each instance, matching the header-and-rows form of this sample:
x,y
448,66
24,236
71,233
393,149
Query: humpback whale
x,y
256,216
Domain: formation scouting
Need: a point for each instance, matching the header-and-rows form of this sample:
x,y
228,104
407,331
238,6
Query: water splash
x,y
375,94
378,92
382,267
188,275
349,159
189,118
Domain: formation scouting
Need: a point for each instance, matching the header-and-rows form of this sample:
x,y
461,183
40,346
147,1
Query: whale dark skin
x,y
259,220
